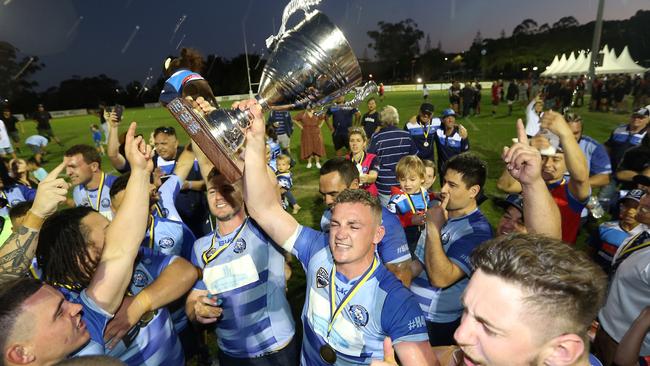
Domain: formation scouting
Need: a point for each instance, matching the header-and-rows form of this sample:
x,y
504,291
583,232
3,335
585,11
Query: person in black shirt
x,y
11,123
512,95
42,118
370,120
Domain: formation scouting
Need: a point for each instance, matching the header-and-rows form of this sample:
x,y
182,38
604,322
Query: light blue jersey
x,y
392,248
381,308
96,319
248,276
459,238
15,194
169,237
168,192
88,198
153,341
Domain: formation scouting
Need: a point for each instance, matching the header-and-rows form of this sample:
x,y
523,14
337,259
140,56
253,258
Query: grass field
x,y
488,135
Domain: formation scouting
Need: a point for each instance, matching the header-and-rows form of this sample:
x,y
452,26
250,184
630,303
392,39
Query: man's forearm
x,y
576,162
18,250
174,282
599,180
541,213
626,175
440,269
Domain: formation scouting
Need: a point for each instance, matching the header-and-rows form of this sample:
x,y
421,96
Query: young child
x,y
97,138
285,181
429,175
35,168
410,200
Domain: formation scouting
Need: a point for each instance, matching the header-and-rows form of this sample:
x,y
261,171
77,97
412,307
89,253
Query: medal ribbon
x,y
207,259
363,157
412,205
336,311
158,210
99,194
151,240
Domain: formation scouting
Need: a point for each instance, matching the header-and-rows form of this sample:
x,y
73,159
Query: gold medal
x,y
328,354
426,144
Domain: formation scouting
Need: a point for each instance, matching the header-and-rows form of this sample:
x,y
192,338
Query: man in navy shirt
x,y
342,118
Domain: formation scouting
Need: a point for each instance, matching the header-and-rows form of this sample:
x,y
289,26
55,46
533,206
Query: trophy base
x,y
201,132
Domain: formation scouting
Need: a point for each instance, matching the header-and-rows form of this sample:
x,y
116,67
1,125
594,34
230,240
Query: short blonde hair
x,y
283,158
358,131
410,164
389,116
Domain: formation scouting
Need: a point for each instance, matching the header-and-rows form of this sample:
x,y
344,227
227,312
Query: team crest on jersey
x,y
322,278
445,238
359,315
240,246
106,203
165,212
139,278
15,202
166,243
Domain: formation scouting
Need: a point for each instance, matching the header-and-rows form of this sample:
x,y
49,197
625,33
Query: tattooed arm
x,y
17,252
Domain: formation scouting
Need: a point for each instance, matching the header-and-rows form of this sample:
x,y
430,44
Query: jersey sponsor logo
x,y
106,203
322,278
166,243
359,315
139,278
240,246
404,248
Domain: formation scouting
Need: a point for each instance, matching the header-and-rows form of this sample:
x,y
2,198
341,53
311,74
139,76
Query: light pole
x,y
248,67
595,45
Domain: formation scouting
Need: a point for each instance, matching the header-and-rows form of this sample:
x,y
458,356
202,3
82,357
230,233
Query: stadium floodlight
x,y
419,80
370,76
535,68
524,69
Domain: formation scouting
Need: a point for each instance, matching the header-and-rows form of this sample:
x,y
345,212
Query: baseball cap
x,y
641,179
643,112
515,200
426,108
448,112
634,195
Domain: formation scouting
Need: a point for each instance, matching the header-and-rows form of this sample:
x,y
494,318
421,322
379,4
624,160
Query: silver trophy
x,y
311,65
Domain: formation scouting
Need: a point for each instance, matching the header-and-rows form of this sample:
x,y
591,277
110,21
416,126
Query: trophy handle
x,y
290,9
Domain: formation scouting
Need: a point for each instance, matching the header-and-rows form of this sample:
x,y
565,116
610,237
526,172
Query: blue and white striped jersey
x,y
249,278
459,238
96,319
449,146
393,248
15,194
596,155
169,238
88,198
381,308
153,341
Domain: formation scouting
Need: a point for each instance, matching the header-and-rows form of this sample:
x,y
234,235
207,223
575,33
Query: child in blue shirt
x,y
97,138
285,181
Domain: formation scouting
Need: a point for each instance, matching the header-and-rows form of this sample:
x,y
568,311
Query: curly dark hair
x,y
189,58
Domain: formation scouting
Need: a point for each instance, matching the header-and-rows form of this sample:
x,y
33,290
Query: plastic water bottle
x,y
595,208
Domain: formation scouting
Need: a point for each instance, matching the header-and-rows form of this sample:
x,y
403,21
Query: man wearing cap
x,y
422,128
451,139
628,292
612,233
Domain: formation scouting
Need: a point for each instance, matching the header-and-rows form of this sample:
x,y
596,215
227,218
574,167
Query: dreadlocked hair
x,y
62,251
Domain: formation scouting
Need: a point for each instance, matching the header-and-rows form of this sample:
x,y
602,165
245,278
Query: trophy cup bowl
x,y
312,65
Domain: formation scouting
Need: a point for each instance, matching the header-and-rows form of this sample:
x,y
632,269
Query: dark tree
x,y
566,22
527,27
13,82
396,41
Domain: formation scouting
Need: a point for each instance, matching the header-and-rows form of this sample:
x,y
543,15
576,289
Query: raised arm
x,y
524,164
18,250
575,160
125,233
259,189
118,161
174,281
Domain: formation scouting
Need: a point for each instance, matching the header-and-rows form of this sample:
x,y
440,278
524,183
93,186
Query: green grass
x,y
488,135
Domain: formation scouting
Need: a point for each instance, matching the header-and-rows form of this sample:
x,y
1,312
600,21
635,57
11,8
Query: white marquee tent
x,y
573,66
